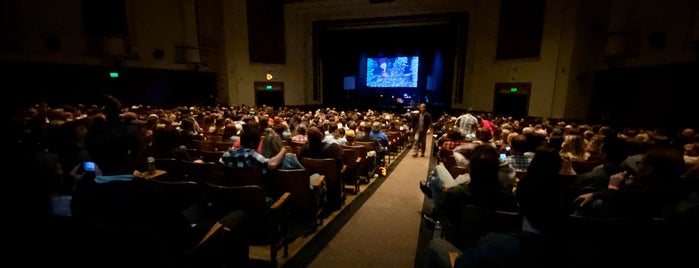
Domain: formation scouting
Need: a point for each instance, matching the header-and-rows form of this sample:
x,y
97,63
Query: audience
x,y
483,189
644,179
544,210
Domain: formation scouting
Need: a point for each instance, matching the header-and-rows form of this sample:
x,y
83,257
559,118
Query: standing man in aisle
x,y
421,123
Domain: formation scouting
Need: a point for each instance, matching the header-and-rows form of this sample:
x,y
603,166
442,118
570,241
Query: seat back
x,y
234,176
175,169
353,163
364,165
333,179
223,145
179,195
203,172
211,156
475,221
581,167
268,222
304,202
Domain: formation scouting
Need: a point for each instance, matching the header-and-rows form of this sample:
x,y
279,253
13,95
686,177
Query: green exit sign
x,y
268,87
513,89
114,75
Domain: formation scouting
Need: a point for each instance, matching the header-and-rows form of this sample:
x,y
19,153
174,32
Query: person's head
x,y
165,139
454,134
519,144
271,144
614,150
352,125
250,136
483,134
595,144
301,129
376,126
315,135
187,124
485,164
366,128
661,165
422,107
349,134
279,129
111,107
573,144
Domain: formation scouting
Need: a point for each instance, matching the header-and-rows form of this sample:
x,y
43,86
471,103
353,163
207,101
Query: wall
x,y
573,45
158,24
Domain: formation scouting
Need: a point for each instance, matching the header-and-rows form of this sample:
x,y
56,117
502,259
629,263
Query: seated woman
x,y
572,149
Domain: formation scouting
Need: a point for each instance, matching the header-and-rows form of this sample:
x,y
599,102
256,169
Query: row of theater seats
x,y
591,241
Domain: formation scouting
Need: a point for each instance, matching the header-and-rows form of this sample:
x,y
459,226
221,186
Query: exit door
x,y
269,93
512,99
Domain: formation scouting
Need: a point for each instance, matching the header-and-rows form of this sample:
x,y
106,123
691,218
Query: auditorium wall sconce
x,y
269,76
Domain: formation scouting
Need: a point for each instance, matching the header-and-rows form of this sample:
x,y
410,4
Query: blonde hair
x,y
574,145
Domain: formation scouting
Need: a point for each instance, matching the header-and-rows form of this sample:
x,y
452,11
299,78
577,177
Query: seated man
x,y
440,180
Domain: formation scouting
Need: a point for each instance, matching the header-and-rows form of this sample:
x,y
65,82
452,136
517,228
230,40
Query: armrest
x,y
214,229
344,169
359,160
452,257
319,182
281,201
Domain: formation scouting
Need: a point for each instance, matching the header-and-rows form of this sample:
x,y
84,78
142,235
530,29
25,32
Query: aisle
x,y
384,231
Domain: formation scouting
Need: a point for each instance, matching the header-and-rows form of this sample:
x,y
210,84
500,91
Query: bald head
x,y
314,135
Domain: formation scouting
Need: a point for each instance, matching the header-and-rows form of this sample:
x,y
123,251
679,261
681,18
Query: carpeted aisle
x,y
385,231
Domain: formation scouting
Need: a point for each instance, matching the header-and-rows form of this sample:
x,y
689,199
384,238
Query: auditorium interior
x,y
629,65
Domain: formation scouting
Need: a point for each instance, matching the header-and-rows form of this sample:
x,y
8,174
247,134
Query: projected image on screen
x,y
392,72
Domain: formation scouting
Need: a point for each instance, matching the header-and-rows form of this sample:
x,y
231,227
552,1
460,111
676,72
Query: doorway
x,y
269,93
512,99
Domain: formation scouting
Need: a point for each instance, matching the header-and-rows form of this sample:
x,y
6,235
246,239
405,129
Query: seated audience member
x,y
451,139
336,135
382,138
349,133
113,144
440,180
373,156
300,136
542,203
518,160
127,201
165,145
247,156
556,138
572,149
613,153
484,188
484,137
594,147
272,142
316,148
653,191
